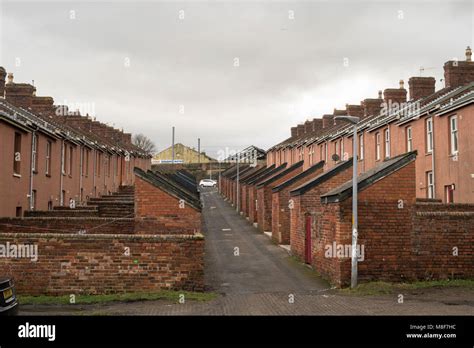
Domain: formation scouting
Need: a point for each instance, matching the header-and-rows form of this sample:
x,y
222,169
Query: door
x,y
307,243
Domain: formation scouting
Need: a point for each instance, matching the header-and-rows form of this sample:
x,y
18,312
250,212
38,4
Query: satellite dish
x,y
335,157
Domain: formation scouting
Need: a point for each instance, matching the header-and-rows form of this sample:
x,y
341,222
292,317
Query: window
x,y
33,200
117,163
63,197
342,150
429,135
34,149
430,184
19,212
387,143
326,152
336,147
87,163
50,205
17,154
48,158
63,157
321,152
449,193
300,156
71,151
311,155
409,136
98,163
377,146
361,147
453,125
108,164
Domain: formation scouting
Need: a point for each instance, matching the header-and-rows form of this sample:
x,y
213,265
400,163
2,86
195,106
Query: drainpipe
x,y
33,135
433,156
93,172
61,198
81,149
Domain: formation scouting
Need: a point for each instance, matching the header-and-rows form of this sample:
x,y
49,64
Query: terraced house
x,y
51,156
416,181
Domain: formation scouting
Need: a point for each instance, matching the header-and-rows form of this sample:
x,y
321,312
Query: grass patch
x,y
169,295
385,288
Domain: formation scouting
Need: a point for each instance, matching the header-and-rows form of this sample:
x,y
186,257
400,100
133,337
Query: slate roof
x,y
369,177
172,188
300,176
281,174
305,187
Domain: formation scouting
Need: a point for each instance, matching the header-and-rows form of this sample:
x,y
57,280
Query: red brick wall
x,y
310,204
264,196
400,244
152,202
97,264
281,210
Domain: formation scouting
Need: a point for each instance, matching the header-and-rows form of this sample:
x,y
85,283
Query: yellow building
x,y
182,154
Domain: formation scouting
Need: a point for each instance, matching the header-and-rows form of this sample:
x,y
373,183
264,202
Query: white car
x,y
207,183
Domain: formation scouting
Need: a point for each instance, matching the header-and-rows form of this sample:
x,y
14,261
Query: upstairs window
x,y
34,153
17,154
409,136
453,128
48,158
429,135
377,146
387,143
361,147
430,185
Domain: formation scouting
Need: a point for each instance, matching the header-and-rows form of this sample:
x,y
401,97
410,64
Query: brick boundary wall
x,y
401,244
154,203
91,225
97,264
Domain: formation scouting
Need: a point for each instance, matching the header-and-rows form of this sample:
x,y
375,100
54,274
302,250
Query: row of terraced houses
x,y
416,181
51,155
81,193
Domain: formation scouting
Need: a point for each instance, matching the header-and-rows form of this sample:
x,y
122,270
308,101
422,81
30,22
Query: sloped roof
x,y
168,186
266,175
305,187
300,176
281,174
369,177
258,173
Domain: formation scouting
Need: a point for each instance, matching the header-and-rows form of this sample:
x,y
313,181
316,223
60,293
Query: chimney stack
x,y
459,73
395,95
372,106
294,132
355,110
300,130
3,75
308,126
317,124
328,120
421,87
19,94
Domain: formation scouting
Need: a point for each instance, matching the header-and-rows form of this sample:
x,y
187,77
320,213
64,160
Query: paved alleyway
x,y
264,278
260,267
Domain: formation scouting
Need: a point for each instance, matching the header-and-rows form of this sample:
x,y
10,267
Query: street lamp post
x,y
237,187
353,120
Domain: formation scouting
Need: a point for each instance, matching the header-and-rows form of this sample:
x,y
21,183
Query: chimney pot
x,y
402,83
468,54
380,94
10,78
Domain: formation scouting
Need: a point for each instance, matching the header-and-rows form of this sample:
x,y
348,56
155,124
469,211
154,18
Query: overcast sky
x,y
234,73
